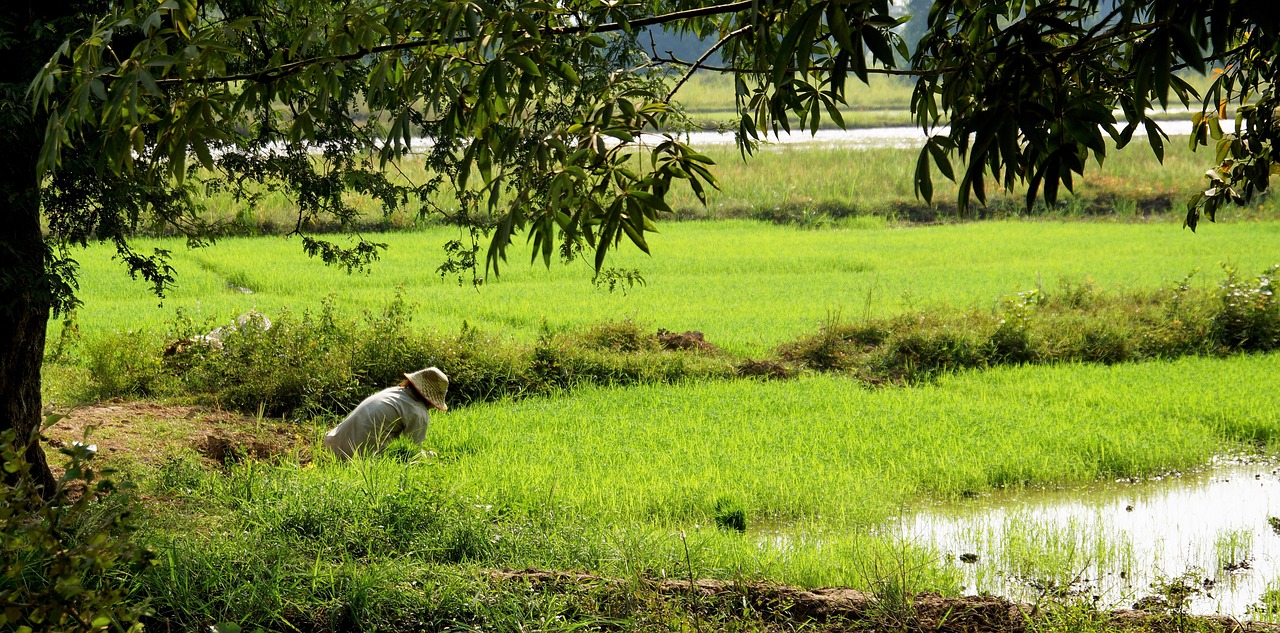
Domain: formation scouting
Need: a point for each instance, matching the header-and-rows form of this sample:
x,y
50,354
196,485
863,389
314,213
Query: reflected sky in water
x,y
1113,541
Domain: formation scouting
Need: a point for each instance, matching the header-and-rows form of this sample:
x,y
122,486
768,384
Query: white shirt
x,y
382,417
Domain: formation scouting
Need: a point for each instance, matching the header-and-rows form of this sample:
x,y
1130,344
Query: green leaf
x,y
202,152
839,25
941,159
1154,137
923,180
879,46
527,65
788,51
651,200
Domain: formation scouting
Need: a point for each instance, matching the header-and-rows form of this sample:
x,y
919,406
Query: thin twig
x,y
749,71
284,70
710,51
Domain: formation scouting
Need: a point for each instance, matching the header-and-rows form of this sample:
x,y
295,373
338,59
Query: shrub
x,y
1249,317
126,364
836,346
64,556
622,336
932,351
1011,341
297,365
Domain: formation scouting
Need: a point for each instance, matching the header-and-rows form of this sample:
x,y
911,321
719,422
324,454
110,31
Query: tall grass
x,y
814,185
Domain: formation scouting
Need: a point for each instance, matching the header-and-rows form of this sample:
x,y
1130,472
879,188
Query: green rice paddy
x,y
748,286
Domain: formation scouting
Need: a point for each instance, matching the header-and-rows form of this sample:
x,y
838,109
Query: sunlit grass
x,y
828,449
748,286
624,483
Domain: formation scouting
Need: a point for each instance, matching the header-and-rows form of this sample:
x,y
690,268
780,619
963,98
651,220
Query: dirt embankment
x,y
841,609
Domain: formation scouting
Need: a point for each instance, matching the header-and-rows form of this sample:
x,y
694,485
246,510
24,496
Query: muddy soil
x,y
836,608
689,341
148,433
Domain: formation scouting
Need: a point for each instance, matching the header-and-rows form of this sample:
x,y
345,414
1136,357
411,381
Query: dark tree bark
x,y
24,308
25,297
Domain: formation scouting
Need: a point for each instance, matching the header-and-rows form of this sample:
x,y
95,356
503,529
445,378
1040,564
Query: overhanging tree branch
x,y
284,70
898,72
710,51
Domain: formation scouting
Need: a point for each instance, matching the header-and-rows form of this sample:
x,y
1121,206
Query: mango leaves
x,y
553,121
1030,87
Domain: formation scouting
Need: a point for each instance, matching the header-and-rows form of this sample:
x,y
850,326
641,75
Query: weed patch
x,y
320,362
1074,323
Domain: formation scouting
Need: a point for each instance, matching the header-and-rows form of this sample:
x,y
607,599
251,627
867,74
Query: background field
x,y
748,286
812,185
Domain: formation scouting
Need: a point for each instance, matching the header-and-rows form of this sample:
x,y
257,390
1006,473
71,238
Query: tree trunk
x,y
24,285
24,303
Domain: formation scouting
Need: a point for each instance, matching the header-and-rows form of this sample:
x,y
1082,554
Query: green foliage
x,y
124,364
323,362
1249,318
65,556
289,366
1028,90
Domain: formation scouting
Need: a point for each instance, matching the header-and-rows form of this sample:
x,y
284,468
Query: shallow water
x,y
901,137
1110,543
909,137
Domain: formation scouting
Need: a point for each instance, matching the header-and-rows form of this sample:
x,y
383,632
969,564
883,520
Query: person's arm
x,y
415,426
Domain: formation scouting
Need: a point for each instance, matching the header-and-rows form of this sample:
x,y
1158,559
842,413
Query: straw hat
x,y
431,384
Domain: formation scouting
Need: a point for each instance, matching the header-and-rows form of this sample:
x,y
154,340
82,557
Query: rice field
x,y
747,285
650,481
825,449
630,483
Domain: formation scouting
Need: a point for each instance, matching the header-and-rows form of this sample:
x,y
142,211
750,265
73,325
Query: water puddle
x,y
1205,536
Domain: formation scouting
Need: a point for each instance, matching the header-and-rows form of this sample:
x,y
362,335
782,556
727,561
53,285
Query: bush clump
x,y
65,551
1249,318
1075,323
319,362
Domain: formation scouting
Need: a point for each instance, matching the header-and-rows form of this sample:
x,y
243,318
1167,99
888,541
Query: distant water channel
x,y
869,138
901,137
1111,542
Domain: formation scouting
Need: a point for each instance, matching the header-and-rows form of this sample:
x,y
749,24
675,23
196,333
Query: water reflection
x,y
1208,530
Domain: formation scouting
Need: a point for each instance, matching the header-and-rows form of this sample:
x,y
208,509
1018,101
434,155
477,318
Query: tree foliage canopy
x,y
549,118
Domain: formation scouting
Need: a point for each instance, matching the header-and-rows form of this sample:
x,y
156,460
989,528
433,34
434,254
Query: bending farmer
x,y
390,413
